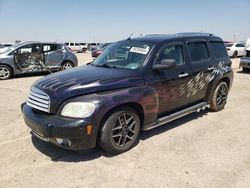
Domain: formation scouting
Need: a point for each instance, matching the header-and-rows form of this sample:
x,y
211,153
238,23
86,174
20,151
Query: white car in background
x,y
235,49
76,47
5,46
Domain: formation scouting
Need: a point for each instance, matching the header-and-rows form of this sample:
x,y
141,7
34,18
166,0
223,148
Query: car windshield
x,y
127,54
229,45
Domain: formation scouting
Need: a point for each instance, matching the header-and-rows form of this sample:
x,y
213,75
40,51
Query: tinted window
x,y
66,43
219,49
71,44
77,44
240,45
172,52
198,51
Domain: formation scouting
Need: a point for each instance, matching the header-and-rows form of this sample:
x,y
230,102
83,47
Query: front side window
x,y
127,54
171,52
198,51
219,49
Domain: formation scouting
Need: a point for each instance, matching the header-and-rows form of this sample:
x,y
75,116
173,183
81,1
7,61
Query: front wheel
x,y
219,98
67,65
5,72
120,131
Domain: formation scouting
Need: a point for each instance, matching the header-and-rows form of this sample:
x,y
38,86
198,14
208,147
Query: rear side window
x,y
198,51
71,44
219,49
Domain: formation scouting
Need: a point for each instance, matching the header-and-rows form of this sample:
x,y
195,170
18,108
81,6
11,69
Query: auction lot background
x,y
200,150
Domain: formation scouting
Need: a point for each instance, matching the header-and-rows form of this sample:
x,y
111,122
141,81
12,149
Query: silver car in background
x,y
35,57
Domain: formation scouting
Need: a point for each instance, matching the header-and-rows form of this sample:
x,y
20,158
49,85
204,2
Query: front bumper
x,y
49,127
245,62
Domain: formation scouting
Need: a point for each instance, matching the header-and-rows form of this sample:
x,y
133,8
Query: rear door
x,y
53,55
202,65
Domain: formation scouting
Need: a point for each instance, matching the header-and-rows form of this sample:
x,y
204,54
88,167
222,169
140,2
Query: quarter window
x,y
198,51
219,49
172,52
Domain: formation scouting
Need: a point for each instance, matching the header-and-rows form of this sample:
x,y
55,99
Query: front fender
x,y
106,101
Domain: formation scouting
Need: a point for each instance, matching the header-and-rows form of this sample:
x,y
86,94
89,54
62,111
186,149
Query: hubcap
x,y
222,95
67,66
123,131
4,73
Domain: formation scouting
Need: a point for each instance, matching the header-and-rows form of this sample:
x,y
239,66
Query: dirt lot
x,y
200,150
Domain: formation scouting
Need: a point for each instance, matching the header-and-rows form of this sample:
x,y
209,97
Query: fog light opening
x,y
64,141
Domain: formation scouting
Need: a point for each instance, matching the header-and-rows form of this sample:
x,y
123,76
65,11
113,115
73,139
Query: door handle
x,y
210,68
183,75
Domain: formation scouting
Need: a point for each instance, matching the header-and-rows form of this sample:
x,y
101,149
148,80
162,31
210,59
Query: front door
x,y
171,84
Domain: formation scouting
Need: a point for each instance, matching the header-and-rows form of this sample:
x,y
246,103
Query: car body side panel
x,y
145,97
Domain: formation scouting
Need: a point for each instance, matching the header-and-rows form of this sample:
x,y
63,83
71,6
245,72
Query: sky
x,y
112,20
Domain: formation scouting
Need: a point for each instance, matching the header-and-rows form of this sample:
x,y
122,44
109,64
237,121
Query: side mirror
x,y
165,64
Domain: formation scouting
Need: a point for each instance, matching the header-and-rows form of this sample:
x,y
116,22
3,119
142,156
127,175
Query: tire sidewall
x,y
214,105
106,140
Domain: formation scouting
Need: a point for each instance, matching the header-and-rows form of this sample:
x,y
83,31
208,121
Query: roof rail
x,y
195,33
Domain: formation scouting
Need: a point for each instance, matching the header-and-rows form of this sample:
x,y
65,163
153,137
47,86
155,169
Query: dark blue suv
x,y
135,84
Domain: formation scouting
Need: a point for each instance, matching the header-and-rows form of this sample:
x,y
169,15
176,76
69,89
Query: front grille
x,y
38,100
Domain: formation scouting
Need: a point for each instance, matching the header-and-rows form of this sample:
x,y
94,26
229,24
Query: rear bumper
x,y
49,127
245,62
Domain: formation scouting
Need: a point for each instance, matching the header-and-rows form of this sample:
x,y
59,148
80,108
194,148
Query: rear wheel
x,y
67,65
219,98
120,131
5,72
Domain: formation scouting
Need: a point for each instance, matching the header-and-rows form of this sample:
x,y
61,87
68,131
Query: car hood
x,y
85,80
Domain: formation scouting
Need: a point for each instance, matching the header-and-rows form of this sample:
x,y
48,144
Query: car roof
x,y
158,38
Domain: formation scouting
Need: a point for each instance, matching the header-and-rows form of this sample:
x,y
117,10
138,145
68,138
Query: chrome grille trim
x,y
38,100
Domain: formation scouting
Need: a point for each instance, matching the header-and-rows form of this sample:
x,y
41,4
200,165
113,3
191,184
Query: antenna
x,y
130,36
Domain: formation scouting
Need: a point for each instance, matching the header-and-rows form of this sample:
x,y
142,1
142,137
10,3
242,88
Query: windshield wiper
x,y
106,65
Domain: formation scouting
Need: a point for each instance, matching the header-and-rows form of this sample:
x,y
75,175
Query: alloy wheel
x,y
4,73
123,130
67,66
222,95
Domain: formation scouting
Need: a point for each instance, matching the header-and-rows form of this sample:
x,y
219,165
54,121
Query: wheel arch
x,y
134,105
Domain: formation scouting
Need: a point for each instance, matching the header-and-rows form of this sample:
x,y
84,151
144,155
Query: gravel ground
x,y
200,150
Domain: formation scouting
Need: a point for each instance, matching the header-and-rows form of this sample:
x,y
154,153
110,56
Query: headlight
x,y
78,109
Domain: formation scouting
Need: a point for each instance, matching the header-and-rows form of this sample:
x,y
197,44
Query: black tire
x,y
116,136
219,98
84,50
235,54
67,65
244,69
5,72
